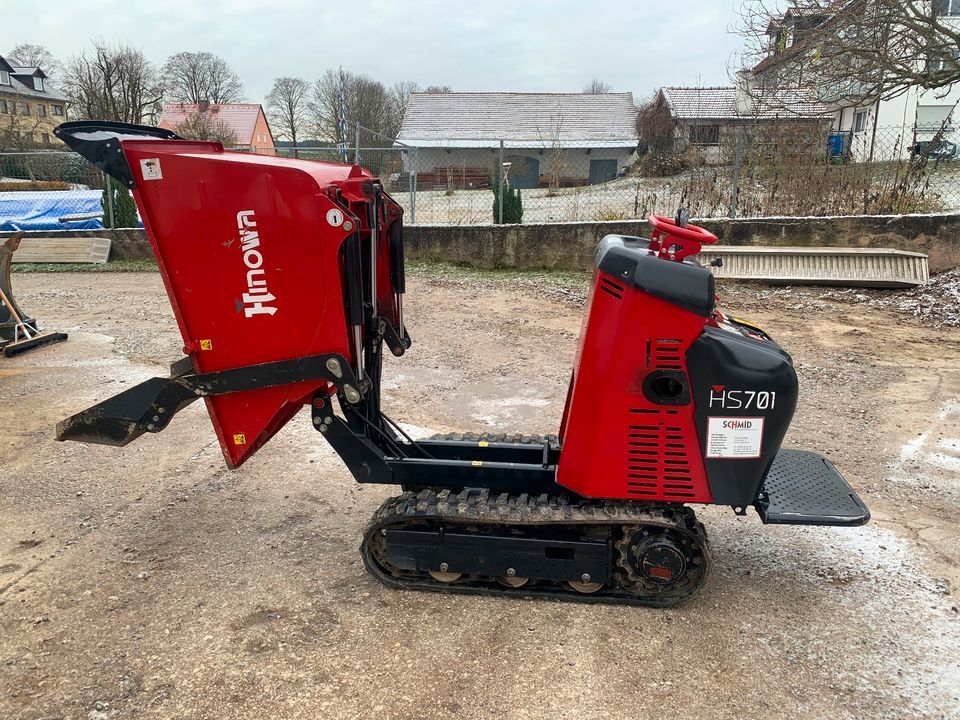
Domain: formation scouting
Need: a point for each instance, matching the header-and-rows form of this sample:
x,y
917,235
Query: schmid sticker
x,y
150,167
734,437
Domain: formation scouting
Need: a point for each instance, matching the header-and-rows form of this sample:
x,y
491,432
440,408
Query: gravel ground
x,y
150,581
937,303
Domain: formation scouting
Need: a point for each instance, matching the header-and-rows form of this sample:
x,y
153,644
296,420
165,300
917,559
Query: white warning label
x,y
150,167
734,437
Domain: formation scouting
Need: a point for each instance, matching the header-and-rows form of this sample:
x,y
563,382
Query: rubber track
x,y
478,507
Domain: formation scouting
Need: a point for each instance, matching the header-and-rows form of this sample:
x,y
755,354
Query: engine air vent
x,y
666,354
611,288
658,464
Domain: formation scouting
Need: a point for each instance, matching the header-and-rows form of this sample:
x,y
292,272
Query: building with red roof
x,y
246,120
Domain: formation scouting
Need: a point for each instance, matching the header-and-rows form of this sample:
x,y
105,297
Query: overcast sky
x,y
518,45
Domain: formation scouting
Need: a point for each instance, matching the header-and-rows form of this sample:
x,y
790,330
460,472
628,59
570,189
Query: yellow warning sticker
x,y
206,344
477,463
747,323
239,439
483,443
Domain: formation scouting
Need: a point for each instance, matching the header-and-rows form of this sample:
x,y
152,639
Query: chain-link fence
x,y
758,170
794,170
761,169
52,190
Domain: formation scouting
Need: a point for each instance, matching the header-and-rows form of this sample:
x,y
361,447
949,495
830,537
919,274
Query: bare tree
x,y
851,51
287,106
113,82
204,126
367,103
656,127
400,97
552,141
30,55
597,87
190,77
325,107
438,89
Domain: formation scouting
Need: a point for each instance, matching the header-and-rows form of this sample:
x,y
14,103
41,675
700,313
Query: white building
x,y
878,129
557,139
890,127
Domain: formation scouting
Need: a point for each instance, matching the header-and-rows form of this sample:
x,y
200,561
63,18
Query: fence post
x,y
412,181
108,187
356,149
500,186
735,172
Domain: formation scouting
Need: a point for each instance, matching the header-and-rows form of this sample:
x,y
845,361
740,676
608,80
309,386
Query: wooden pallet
x,y
62,250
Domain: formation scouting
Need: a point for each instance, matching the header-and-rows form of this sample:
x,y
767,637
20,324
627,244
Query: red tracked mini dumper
x,y
287,281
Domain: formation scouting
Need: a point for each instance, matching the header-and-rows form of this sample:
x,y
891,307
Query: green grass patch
x,y
451,271
112,266
416,268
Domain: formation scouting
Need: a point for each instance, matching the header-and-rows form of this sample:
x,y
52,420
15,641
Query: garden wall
x,y
570,246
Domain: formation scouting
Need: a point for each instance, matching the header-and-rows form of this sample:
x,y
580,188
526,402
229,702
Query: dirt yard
x,y
151,582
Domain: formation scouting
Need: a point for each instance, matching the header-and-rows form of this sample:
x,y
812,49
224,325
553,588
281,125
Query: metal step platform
x,y
804,488
844,267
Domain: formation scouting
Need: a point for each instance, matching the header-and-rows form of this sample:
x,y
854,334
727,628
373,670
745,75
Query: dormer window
x,y
38,83
4,77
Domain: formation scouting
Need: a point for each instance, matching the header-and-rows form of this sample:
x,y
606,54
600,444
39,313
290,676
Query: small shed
x,y
707,117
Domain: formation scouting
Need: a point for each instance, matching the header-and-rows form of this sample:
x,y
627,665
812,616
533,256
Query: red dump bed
x,y
248,247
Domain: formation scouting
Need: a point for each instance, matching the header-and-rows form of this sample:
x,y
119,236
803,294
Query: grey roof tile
x,y
482,118
23,87
720,103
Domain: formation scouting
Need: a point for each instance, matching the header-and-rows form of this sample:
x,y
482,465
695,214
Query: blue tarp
x,y
42,210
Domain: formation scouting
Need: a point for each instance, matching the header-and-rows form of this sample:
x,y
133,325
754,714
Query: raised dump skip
x,y
856,267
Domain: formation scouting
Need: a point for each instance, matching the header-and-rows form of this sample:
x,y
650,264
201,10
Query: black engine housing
x,y
738,371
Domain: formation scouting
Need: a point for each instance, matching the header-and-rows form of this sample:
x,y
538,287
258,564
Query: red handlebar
x,y
673,242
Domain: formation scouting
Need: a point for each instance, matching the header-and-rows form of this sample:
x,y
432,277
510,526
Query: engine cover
x,y
669,401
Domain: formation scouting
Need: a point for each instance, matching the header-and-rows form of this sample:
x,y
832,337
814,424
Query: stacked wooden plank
x,y
63,250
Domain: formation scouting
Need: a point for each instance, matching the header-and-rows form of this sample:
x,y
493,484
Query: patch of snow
x,y
932,458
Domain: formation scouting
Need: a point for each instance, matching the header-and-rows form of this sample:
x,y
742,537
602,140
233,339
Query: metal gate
x,y
524,171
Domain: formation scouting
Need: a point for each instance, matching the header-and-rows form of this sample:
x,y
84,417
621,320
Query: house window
x,y
940,62
42,110
948,7
704,134
4,77
860,121
24,109
934,118
3,107
57,109
38,84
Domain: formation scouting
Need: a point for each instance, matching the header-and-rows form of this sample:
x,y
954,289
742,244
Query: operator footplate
x,y
804,488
